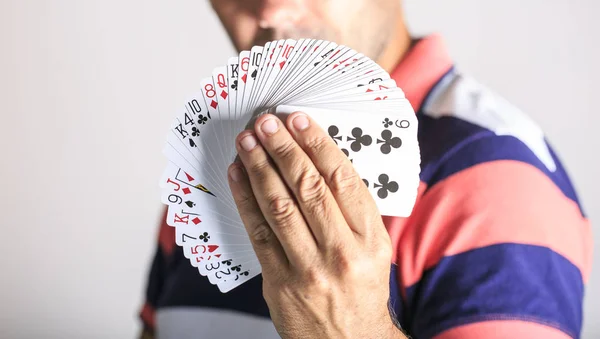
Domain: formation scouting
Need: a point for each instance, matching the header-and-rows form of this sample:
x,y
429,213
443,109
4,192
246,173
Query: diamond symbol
x,y
223,95
186,191
213,104
196,221
244,77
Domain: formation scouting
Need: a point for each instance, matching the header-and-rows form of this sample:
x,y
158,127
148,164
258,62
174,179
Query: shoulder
x,y
465,125
497,232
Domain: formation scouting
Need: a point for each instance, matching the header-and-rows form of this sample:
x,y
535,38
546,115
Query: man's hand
x,y
324,251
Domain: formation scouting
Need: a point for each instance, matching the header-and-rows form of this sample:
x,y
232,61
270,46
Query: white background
x,y
87,91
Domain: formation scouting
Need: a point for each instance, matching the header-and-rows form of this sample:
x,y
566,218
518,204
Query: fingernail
x,y
300,122
269,126
248,143
236,174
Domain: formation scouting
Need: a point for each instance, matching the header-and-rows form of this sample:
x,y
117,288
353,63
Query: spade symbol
x,y
359,140
190,203
253,75
192,143
388,141
385,186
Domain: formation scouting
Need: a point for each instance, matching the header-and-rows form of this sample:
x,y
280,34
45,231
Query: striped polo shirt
x,y
497,245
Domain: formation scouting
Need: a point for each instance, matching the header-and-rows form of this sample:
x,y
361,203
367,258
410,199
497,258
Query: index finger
x,y
350,192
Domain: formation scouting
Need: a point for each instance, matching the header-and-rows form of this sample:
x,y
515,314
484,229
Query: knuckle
x,y
344,180
345,263
383,249
245,202
314,278
311,187
282,209
317,144
285,149
261,234
258,168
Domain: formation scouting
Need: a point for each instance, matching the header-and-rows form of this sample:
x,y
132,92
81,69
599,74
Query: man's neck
x,y
398,46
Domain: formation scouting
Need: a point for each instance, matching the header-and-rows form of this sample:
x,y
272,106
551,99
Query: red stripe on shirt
x,y
422,68
491,203
147,315
396,225
501,329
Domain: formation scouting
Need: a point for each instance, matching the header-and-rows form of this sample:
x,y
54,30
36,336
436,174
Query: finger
x,y
348,189
267,247
276,202
310,189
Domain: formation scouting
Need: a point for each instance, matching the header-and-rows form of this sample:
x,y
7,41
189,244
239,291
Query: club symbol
x,y
366,182
190,203
359,140
204,237
385,186
387,122
333,133
195,131
388,141
237,268
234,85
202,119
244,273
226,262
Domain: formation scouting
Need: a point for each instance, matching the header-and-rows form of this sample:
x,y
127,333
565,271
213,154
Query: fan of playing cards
x,y
345,92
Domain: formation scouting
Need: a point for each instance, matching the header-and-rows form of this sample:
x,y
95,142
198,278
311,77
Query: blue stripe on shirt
x,y
506,281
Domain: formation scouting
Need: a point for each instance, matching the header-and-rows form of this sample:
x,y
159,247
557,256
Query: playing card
x,y
346,93
385,156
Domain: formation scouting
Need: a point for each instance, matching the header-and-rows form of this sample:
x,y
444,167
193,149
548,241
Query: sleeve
x,y
497,247
156,278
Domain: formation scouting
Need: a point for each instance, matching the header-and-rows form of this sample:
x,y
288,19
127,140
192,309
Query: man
x,y
497,245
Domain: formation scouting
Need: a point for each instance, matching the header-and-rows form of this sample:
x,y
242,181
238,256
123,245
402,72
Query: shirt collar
x,y
421,68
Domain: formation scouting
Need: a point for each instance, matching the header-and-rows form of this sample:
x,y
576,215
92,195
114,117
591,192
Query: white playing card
x,y
382,154
346,93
